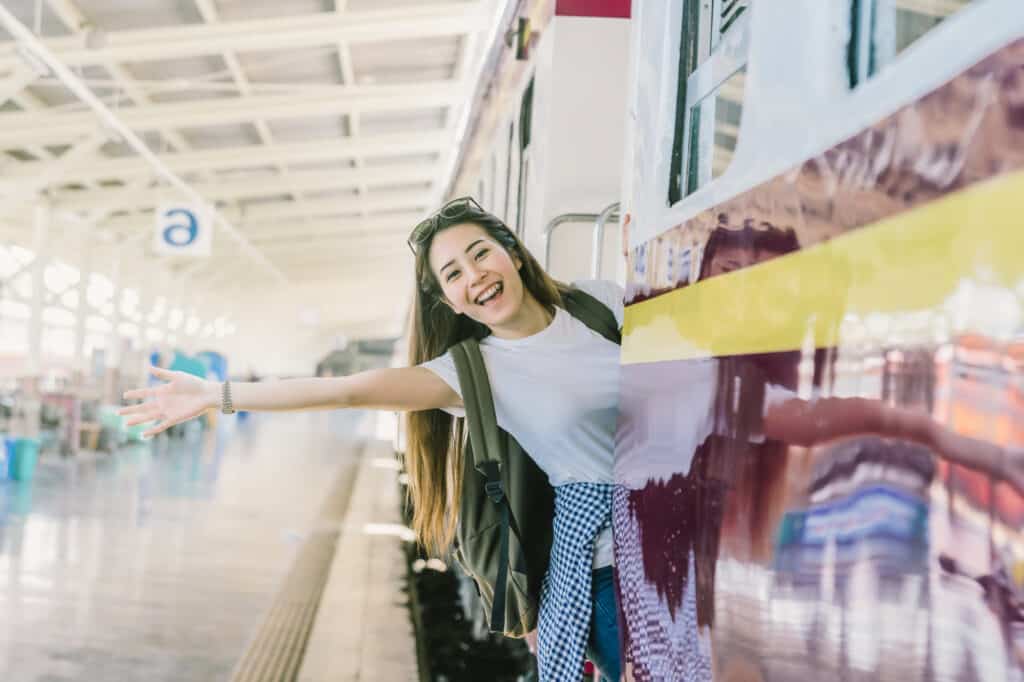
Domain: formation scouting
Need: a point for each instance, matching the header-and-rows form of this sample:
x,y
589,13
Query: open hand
x,y
183,397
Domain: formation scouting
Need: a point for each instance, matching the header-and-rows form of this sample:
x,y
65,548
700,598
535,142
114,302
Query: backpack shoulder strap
x,y
476,396
593,313
488,448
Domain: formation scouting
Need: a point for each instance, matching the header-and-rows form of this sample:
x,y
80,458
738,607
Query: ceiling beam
x,y
249,156
19,129
391,238
82,152
403,202
248,188
16,82
334,227
270,217
278,33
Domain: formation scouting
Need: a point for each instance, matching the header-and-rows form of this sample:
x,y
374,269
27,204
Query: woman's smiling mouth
x,y
491,293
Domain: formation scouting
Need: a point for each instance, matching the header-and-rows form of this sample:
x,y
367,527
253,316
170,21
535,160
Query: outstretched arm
x,y
185,397
807,422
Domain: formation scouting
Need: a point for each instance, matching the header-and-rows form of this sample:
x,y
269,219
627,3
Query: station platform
x,y
168,560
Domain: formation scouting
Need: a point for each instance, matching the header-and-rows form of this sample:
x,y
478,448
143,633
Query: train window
x,y
712,64
714,130
492,201
508,172
525,124
882,29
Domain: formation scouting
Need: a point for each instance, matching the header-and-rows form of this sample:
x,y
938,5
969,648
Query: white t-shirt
x,y
557,393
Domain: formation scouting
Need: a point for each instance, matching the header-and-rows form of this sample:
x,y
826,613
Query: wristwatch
x,y
225,404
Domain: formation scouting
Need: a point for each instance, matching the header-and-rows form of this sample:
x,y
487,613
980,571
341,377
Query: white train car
x,y
820,447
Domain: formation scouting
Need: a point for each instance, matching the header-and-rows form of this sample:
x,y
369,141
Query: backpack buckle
x,y
495,490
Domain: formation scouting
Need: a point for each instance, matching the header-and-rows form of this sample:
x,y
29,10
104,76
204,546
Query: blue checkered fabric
x,y
582,510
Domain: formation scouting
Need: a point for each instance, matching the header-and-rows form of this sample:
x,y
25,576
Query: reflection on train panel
x,y
821,446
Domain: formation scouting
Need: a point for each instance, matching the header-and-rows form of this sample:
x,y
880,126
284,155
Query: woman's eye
x,y
481,253
451,275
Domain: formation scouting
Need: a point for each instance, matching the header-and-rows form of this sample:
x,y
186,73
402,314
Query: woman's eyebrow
x,y
452,261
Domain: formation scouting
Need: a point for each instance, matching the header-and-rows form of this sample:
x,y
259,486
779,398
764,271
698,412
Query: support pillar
x,y
41,217
82,312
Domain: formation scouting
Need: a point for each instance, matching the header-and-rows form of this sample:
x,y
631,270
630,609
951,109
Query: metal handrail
x,y
558,221
610,212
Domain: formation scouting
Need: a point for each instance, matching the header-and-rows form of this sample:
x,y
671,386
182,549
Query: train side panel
x,y
821,442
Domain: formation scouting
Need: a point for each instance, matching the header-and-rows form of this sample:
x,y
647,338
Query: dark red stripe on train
x,y
610,9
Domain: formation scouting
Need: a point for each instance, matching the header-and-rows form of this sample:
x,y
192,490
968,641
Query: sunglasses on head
x,y
452,211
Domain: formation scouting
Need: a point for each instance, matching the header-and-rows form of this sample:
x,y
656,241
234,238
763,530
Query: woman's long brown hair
x,y
435,439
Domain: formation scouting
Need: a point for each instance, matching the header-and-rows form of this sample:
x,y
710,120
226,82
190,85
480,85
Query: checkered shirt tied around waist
x,y
582,510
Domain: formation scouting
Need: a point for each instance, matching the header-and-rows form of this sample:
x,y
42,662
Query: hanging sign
x,y
184,229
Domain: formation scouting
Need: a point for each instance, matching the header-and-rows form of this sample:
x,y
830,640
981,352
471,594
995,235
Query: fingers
x,y
139,393
161,373
159,428
134,409
136,419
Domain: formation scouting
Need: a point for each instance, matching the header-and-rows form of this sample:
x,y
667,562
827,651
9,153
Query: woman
x,y
555,385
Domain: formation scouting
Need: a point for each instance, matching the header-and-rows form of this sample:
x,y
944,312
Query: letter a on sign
x,y
183,229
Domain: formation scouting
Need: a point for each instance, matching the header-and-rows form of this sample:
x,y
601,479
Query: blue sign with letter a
x,y
183,229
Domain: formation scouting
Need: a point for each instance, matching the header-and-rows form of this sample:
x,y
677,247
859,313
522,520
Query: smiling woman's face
x,y
478,277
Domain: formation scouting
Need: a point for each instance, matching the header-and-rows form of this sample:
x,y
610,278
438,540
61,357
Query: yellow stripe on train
x,y
910,262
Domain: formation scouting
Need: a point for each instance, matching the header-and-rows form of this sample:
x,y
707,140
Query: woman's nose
x,y
473,272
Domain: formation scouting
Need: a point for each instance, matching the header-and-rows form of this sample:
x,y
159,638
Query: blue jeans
x,y
603,648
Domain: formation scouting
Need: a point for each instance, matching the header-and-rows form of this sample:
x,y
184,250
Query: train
x,y
813,206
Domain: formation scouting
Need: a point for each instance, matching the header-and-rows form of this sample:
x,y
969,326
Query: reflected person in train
x,y
555,385
728,492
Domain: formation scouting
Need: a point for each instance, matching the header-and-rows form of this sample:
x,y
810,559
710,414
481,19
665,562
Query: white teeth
x,y
490,293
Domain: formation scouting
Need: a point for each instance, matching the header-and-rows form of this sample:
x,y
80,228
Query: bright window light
x,y
58,317
99,291
70,298
8,263
22,285
94,342
128,329
12,310
22,255
100,325
174,318
192,325
59,276
154,335
58,341
14,340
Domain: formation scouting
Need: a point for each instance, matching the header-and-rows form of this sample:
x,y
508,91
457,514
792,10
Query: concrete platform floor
x,y
158,562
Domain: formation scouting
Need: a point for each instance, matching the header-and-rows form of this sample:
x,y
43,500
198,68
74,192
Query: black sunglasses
x,y
452,211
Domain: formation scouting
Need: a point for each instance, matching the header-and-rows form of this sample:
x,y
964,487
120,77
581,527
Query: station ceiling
x,y
321,130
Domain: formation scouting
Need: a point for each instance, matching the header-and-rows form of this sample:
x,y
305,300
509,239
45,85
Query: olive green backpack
x,y
503,538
